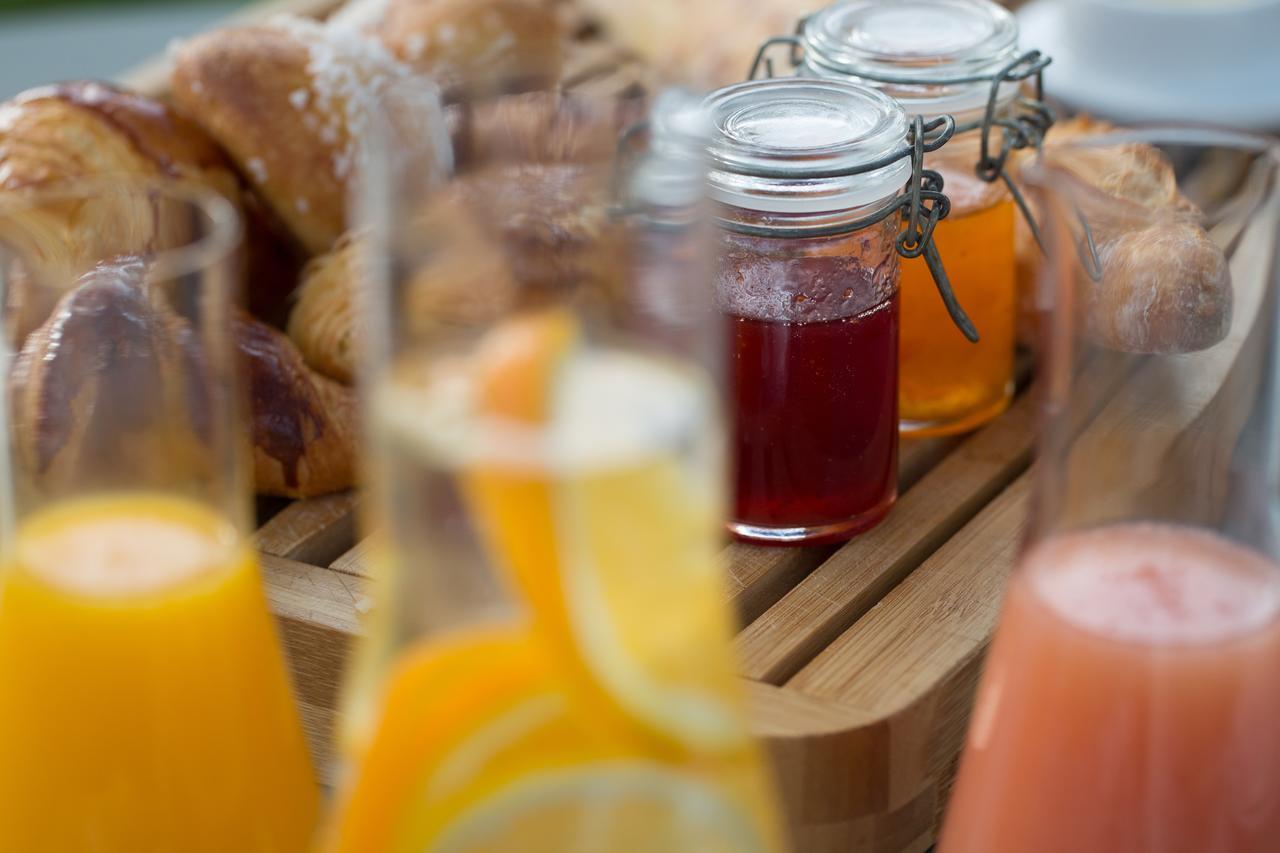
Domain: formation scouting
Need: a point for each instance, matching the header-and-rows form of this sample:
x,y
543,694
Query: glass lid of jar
x,y
797,145
917,44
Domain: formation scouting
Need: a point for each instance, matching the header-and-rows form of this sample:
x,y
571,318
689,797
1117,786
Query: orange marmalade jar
x,y
933,56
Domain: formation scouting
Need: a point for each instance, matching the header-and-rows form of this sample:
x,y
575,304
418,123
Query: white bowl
x,y
1161,60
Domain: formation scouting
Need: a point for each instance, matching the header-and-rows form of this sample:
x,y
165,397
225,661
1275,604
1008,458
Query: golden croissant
x,y
112,361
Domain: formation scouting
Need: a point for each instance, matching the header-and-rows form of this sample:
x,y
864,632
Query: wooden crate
x,y
860,661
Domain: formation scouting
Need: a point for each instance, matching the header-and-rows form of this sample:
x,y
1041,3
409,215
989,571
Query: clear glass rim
x,y
805,178
830,52
214,244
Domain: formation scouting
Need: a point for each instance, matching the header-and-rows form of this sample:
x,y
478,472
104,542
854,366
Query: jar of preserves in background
x,y
941,57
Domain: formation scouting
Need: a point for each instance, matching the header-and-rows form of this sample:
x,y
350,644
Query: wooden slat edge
x,y
845,587
803,736
354,561
317,612
312,531
759,576
838,592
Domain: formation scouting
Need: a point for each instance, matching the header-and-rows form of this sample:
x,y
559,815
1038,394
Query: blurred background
x,y
42,41
1130,60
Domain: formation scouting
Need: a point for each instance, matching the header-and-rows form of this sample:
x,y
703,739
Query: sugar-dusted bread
x,y
477,45
293,103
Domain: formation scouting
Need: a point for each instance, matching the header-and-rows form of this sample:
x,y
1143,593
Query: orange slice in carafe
x,y
609,533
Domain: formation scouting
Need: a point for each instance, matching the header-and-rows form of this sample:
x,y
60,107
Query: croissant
x,y
547,148
1165,285
293,104
81,131
85,131
101,391
322,323
487,45
304,425
516,233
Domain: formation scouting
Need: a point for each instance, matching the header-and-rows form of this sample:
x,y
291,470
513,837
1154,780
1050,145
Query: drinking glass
x,y
144,703
548,664
1130,700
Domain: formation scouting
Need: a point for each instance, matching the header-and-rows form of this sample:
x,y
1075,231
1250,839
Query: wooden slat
x,y
318,614
759,576
846,586
942,614
313,531
355,561
800,625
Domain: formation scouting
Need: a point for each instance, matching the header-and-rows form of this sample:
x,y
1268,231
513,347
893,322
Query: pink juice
x,y
1131,702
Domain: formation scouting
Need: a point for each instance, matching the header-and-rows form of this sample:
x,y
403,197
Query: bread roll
x,y
708,43
293,103
1165,285
531,164
477,45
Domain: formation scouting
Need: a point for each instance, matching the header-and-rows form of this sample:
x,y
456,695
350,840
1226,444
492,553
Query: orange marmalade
x,y
948,384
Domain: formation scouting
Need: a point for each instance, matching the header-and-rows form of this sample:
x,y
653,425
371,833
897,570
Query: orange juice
x,y
948,384
144,704
1131,702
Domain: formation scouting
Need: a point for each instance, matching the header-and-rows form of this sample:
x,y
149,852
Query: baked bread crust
x,y
1165,285
108,366
292,104
477,45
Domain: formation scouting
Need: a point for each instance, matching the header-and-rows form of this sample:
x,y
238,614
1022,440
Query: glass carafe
x,y
1130,699
549,664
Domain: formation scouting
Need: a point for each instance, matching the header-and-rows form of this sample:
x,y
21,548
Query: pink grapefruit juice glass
x,y
1131,698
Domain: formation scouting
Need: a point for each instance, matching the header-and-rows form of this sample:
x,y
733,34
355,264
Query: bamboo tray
x,y
860,661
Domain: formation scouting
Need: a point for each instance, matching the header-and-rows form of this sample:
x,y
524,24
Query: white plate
x,y
1142,60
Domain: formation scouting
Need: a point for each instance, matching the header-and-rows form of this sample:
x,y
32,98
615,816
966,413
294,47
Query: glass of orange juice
x,y
1130,700
549,664
144,702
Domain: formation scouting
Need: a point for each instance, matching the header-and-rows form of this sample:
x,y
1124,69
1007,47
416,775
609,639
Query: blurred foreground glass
x,y
549,665
1131,699
144,703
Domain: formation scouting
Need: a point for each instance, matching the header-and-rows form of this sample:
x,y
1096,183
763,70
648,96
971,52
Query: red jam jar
x,y
809,292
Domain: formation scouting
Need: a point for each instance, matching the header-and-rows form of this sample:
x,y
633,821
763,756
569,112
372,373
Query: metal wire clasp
x,y
916,238
921,208
1024,130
